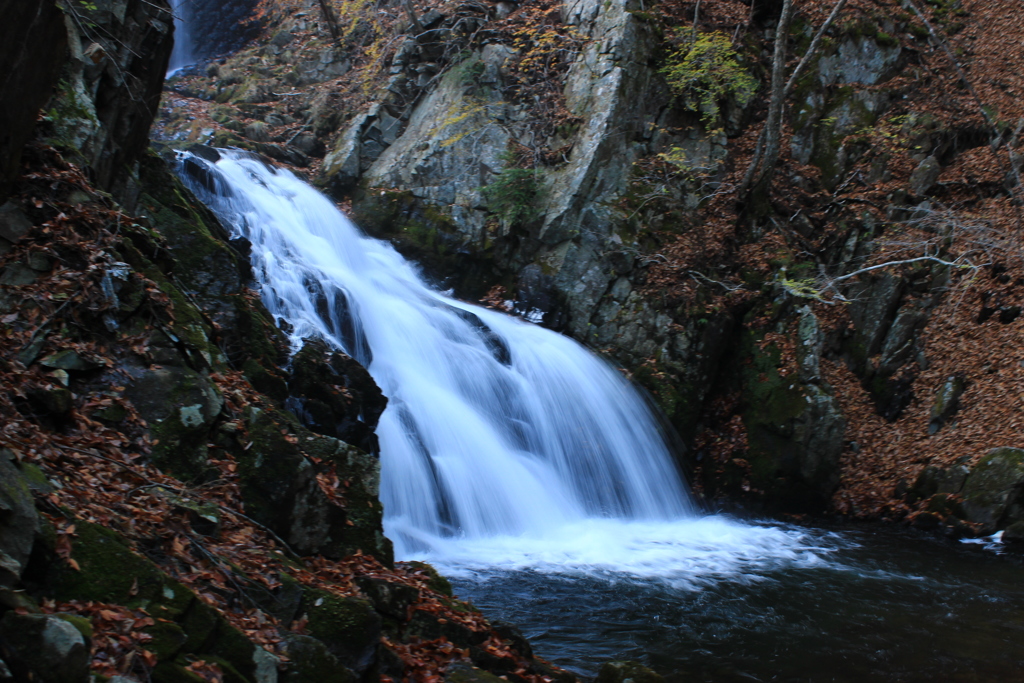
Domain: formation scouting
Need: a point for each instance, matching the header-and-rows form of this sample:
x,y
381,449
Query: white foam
x,y
685,554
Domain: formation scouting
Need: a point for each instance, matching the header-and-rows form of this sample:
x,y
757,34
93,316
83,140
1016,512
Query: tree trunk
x,y
773,127
330,19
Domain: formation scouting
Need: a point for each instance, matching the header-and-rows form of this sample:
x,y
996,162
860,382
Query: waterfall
x,y
494,426
182,54
504,445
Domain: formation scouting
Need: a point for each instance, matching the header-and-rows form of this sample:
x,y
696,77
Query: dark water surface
x,y
885,605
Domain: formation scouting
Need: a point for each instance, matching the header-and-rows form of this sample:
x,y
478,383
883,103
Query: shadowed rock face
x,y
32,44
110,79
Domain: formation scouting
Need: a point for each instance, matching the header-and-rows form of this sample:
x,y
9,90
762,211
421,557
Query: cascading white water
x,y
182,52
502,442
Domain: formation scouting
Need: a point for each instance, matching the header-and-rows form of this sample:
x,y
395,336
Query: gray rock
x,y
388,598
266,666
874,303
819,434
808,346
934,480
431,18
44,648
1014,535
18,275
69,360
859,60
282,38
947,402
993,485
923,177
14,224
257,132
900,342
176,393
19,522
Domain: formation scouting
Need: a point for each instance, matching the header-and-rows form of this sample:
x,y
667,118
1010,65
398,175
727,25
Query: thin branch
x,y
806,59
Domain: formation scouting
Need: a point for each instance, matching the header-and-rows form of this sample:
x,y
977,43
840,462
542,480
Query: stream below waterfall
x,y
876,604
529,471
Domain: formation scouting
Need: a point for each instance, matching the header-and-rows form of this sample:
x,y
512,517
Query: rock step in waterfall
x,y
498,433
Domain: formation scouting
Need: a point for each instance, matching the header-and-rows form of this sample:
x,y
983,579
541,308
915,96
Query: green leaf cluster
x,y
706,72
512,194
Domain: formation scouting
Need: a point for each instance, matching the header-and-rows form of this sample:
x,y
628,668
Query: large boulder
x,y
180,405
278,471
992,493
349,627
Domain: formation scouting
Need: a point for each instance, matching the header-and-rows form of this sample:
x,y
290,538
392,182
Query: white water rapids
x,y
503,444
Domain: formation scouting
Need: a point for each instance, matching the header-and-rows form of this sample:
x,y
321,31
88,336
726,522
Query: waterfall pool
x,y
864,603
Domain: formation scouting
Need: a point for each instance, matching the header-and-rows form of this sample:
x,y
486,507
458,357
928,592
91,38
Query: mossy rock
x,y
279,486
110,572
167,640
993,485
213,271
311,662
436,582
349,627
180,406
794,432
81,623
427,234
427,625
338,396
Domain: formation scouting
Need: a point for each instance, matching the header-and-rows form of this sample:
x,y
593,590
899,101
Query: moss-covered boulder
x,y
389,598
992,493
310,661
349,627
278,477
180,405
